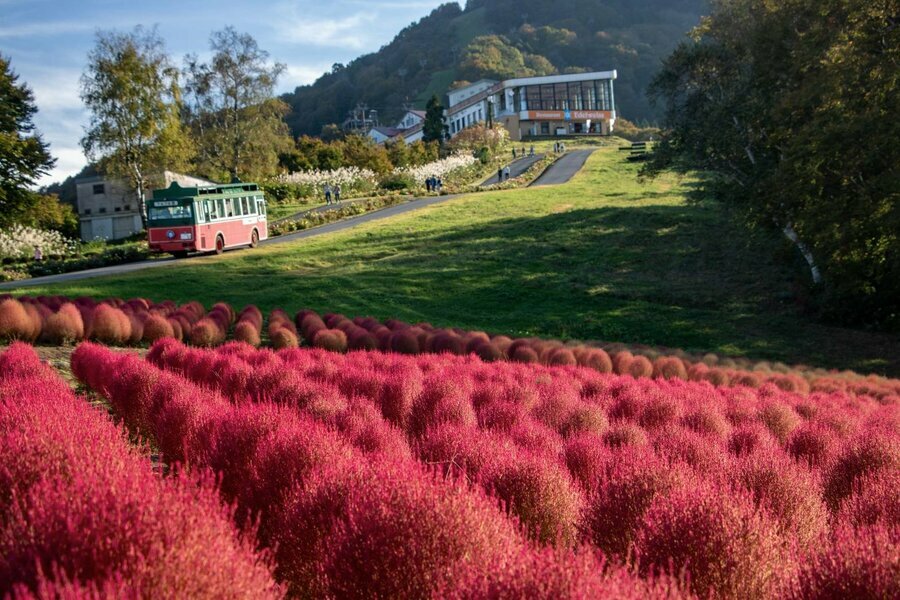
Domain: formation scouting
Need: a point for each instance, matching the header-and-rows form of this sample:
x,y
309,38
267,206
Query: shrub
x,y
669,367
488,352
334,340
634,478
540,493
858,563
721,540
640,367
874,500
64,326
814,444
625,434
404,341
284,338
866,454
206,333
780,419
247,332
15,322
157,327
597,359
586,457
398,535
110,325
561,356
524,354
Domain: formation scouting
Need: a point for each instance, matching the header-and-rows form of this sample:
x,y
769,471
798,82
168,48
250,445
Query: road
x,y
563,169
560,172
516,168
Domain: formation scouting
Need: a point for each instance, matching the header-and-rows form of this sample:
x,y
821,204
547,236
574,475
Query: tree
x,y
238,124
24,156
433,128
788,105
132,91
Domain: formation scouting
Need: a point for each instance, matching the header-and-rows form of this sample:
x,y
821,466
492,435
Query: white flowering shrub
x,y
311,183
439,168
18,241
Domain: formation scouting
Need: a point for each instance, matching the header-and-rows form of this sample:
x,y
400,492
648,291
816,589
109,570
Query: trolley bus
x,y
206,219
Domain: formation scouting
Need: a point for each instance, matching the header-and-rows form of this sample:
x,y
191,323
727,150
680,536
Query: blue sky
x,y
48,42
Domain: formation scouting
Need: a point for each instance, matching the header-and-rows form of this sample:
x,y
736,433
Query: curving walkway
x,y
559,172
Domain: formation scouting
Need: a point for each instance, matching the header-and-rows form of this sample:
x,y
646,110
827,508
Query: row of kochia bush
x,y
56,320
384,475
85,516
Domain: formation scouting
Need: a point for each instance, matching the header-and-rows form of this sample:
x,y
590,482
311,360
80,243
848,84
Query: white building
x,y
108,208
574,104
409,128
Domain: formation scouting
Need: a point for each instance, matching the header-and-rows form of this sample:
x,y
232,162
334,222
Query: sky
x,y
47,42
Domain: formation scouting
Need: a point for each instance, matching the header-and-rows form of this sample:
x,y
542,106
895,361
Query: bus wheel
x,y
220,244
254,239
180,254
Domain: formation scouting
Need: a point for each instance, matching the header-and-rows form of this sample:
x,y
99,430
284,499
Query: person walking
x,y
337,193
506,173
38,254
327,193
514,154
439,184
532,150
500,175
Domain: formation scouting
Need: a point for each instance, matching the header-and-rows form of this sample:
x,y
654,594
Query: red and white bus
x,y
206,219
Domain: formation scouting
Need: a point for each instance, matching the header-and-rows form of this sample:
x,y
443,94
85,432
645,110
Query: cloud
x,y
302,75
30,30
348,32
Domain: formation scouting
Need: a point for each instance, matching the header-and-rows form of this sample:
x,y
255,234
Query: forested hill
x,y
500,39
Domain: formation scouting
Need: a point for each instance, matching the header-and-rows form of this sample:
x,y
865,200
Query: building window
x,y
99,188
118,209
127,207
103,210
87,211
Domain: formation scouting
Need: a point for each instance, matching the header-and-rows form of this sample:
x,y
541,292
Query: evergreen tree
x,y
433,128
24,156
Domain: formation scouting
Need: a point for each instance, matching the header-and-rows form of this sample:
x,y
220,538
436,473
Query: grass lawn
x,y
603,257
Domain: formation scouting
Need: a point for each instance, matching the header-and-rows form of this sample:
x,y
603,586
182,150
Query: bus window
x,y
220,202
202,217
211,209
252,206
245,210
229,207
262,207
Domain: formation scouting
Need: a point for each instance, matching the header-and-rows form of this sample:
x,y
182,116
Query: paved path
x,y
516,168
377,215
560,172
563,169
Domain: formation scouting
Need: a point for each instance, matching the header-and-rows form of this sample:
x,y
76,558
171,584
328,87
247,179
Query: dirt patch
x,y
561,208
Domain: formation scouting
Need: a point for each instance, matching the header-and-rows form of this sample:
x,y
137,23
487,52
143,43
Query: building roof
x,y
418,113
412,130
568,78
387,131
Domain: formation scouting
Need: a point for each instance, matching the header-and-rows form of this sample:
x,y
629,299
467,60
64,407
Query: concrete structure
x,y
409,128
574,104
108,208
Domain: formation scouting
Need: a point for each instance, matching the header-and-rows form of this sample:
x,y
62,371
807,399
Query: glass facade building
x,y
575,95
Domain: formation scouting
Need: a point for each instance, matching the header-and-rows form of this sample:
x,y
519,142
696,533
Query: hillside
x,y
499,39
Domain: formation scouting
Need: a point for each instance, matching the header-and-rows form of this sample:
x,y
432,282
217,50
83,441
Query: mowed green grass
x,y
605,257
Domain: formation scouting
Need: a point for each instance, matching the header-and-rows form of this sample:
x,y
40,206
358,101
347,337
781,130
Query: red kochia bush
x,y
404,341
110,325
859,563
247,332
206,333
283,338
400,535
334,340
89,514
669,367
868,453
64,326
157,327
15,322
721,540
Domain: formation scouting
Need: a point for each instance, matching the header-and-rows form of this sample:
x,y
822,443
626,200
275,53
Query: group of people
x,y
332,194
434,184
522,153
559,147
503,174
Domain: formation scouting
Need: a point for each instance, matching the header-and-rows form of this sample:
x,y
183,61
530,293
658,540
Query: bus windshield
x,y
171,213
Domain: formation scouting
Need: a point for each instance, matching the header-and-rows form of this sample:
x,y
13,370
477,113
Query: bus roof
x,y
225,189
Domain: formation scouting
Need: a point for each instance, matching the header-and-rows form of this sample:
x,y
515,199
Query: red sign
x,y
568,115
